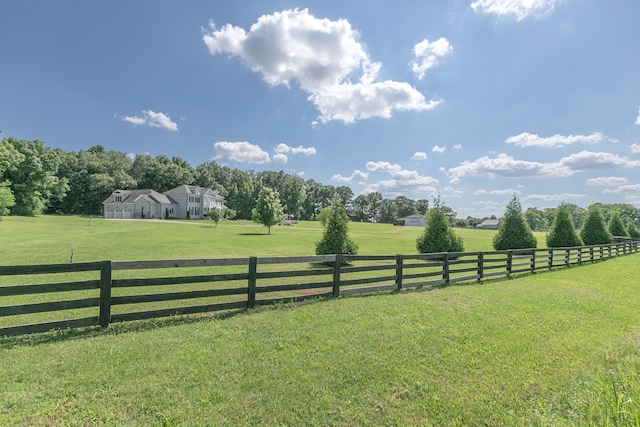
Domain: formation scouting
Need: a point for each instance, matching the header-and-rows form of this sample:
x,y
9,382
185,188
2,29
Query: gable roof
x,y
489,223
130,196
192,189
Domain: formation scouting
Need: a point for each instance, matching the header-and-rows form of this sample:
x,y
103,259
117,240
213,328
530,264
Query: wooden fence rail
x,y
116,291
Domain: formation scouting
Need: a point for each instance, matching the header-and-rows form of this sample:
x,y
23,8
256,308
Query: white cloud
x,y
505,166
607,180
509,191
322,56
419,155
518,8
356,176
638,118
427,54
280,158
635,148
383,167
526,139
486,203
452,192
242,152
624,189
284,148
153,119
552,197
438,149
457,147
131,156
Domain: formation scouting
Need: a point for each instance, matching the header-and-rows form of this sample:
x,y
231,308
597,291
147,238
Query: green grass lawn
x,y
554,348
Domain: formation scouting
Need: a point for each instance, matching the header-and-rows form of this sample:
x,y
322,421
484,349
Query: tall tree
x,y
422,206
388,212
535,219
563,233
594,231
514,233
7,201
405,206
34,180
268,210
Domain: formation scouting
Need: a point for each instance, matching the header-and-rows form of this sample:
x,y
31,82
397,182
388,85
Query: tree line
x,y
37,179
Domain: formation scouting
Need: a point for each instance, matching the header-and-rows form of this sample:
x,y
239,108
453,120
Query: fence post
x,y
550,258
509,261
399,264
567,257
533,261
480,265
251,288
445,268
591,253
104,317
336,275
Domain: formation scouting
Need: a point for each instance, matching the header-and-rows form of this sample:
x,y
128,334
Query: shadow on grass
x,y
253,234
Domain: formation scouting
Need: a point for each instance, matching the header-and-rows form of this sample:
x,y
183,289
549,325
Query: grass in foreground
x,y
559,348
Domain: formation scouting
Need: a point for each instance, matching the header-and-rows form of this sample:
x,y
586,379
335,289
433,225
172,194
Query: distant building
x,y
416,220
175,203
489,224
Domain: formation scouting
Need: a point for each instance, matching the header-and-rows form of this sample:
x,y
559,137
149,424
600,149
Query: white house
x,y
174,203
412,220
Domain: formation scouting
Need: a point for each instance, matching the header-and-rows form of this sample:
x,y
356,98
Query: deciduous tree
x,y
268,210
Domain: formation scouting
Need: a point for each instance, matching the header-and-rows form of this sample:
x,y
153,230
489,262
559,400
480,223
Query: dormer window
x,y
118,199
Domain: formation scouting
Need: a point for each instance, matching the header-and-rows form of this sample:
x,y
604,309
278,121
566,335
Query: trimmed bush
x,y
563,233
514,233
593,230
438,235
616,227
335,239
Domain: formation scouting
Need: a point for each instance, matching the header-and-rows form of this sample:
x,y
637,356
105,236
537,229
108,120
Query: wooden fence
x,y
100,293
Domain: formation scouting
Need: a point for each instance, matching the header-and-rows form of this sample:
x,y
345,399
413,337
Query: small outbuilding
x,y
489,224
415,220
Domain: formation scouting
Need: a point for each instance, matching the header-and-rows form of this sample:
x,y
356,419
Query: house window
x,y
118,199
170,211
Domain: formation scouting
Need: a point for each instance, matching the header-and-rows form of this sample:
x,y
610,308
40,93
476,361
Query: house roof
x,y
489,223
130,196
192,189
414,216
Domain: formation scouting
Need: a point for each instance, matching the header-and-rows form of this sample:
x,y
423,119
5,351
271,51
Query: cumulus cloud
x,y
241,152
457,147
427,54
638,118
322,56
624,189
383,167
552,197
607,180
153,119
518,8
280,158
482,192
356,176
527,139
419,155
635,148
486,203
284,148
505,166
452,192
439,149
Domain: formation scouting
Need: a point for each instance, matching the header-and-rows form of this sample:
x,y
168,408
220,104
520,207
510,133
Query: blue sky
x,y
475,99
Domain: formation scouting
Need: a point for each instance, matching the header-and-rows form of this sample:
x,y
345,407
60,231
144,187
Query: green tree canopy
x,y
438,236
616,227
593,230
7,201
514,233
268,210
214,215
563,233
335,239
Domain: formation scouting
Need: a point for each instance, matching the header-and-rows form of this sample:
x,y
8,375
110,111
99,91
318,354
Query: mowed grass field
x,y
554,348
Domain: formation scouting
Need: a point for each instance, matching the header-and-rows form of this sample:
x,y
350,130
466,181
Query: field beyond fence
x,y
99,293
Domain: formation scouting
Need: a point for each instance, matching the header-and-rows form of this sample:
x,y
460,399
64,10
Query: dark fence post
x,y
105,294
550,258
480,265
251,288
337,266
567,256
509,261
399,263
445,268
591,253
533,261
